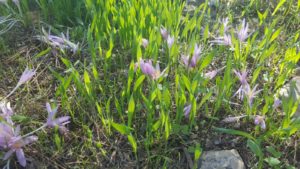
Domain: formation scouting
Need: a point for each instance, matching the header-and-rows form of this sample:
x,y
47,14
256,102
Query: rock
x,y
292,89
224,159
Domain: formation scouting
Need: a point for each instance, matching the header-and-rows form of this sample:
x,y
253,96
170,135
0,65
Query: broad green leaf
x,y
278,6
138,82
132,142
255,148
123,129
131,107
235,132
272,161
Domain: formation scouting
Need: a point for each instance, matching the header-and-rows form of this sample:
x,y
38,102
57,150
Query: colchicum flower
x,y
164,33
167,37
251,93
145,43
212,74
260,120
242,76
148,69
277,103
223,40
10,139
170,41
62,42
26,76
187,110
192,62
243,32
59,122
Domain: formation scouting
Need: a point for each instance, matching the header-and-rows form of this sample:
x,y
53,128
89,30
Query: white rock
x,y
224,159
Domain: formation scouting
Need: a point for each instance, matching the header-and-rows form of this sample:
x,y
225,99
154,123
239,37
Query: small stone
x,y
224,159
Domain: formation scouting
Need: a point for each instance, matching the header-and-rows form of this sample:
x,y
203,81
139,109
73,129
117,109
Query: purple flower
x,y
59,122
251,93
26,76
145,43
187,110
62,42
277,103
6,110
10,139
243,32
16,2
223,40
242,76
148,69
192,62
260,120
164,33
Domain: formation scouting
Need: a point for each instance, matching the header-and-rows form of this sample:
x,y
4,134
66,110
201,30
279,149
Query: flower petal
x,y
21,157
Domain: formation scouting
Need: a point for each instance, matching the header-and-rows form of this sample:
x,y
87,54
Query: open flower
x,y
148,69
59,122
251,93
242,76
187,110
243,32
11,140
260,120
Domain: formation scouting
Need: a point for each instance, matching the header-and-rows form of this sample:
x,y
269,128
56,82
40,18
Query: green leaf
x,y
131,107
132,142
255,148
138,82
207,60
123,129
87,82
278,6
235,132
273,151
272,161
275,34
186,82
198,152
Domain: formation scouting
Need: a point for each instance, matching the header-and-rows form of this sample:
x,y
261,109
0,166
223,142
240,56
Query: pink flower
x,y
242,76
170,41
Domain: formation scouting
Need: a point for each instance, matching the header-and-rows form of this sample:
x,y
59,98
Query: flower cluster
x,y
226,38
11,140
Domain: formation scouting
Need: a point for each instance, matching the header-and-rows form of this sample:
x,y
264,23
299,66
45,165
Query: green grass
x,y
121,117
